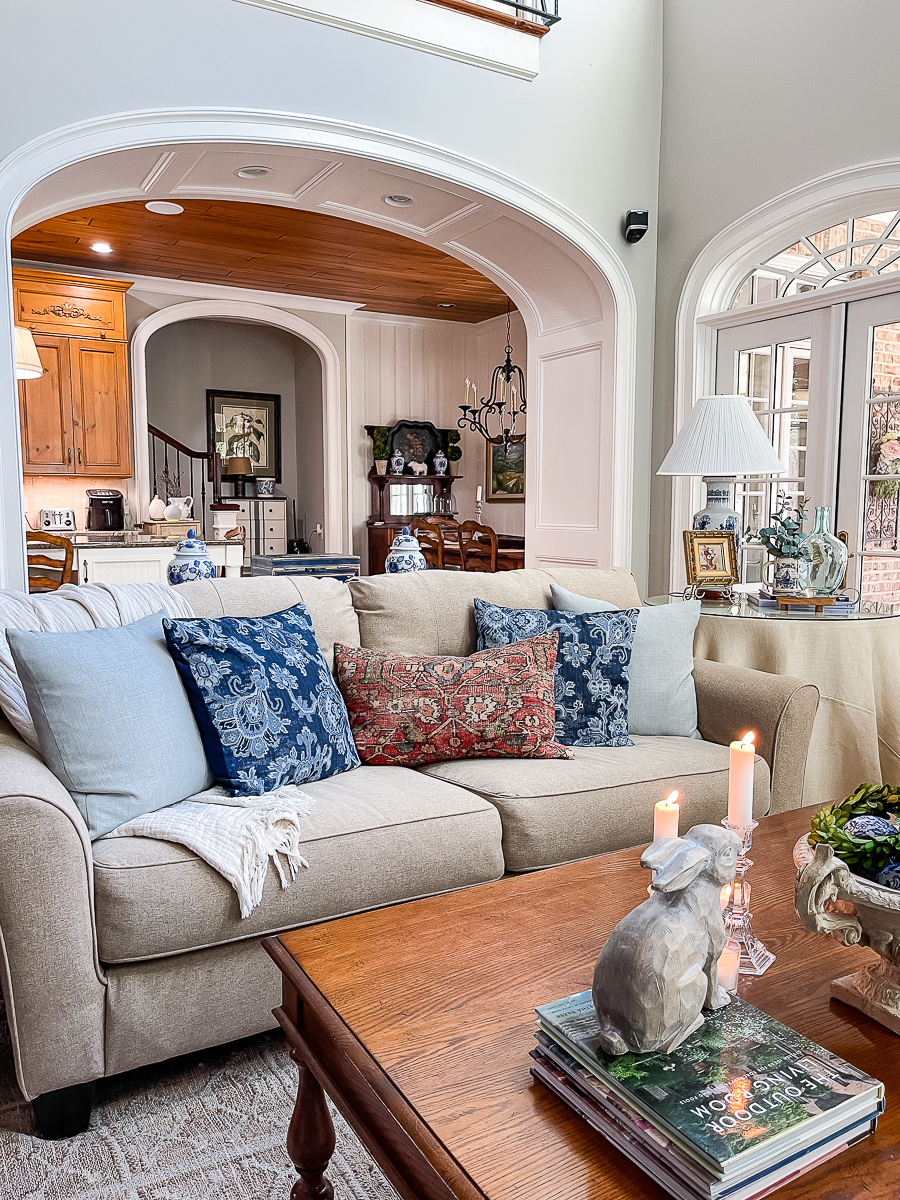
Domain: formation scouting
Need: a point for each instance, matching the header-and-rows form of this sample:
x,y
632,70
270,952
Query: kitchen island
x,y
132,557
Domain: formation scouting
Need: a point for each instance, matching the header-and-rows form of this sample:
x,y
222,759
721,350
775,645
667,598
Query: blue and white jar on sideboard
x,y
441,463
404,554
397,463
191,561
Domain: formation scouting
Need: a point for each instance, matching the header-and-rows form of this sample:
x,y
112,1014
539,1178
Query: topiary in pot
x,y
454,450
381,450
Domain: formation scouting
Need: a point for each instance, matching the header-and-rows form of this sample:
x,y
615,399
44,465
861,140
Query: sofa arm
x,y
779,708
52,981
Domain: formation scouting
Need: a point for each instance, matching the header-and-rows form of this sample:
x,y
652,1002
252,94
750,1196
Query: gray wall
x,y
758,98
187,357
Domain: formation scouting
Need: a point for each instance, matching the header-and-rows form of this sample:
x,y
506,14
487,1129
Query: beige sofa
x,y
130,951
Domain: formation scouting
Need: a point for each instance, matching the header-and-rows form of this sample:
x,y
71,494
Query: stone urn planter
x,y
829,898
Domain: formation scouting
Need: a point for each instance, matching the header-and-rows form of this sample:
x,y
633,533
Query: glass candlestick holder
x,y
755,957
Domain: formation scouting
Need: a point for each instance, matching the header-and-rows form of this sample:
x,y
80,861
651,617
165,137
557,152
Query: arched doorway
x,y
336,475
571,288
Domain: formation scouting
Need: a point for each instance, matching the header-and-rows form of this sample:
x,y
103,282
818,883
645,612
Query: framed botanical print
x,y
710,556
246,425
505,470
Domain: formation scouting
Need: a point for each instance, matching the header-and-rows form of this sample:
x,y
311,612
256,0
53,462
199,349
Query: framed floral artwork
x,y
710,557
246,425
505,470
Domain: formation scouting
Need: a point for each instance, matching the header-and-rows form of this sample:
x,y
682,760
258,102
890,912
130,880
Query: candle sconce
x,y
756,958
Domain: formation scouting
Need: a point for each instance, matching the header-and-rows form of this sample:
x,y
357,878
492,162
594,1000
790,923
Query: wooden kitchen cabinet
x,y
76,419
69,305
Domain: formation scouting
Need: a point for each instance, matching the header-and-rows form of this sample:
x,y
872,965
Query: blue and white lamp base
x,y
719,512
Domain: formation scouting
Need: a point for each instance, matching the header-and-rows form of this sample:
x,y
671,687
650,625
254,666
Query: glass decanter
x,y
825,561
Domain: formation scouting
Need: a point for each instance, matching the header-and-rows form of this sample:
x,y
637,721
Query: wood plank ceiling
x,y
269,248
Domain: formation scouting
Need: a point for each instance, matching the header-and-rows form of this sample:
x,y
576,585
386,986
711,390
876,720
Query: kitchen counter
x,y
116,541
128,557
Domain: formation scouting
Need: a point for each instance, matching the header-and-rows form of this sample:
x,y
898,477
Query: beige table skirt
x,y
856,667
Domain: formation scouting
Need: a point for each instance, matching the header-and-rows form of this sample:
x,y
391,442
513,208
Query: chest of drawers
x,y
264,525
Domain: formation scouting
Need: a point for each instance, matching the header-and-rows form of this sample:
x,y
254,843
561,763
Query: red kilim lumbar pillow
x,y
408,711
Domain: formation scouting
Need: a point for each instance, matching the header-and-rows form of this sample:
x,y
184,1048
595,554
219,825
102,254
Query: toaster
x,y
58,520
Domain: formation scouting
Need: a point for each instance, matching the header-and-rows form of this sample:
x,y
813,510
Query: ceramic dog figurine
x,y
657,971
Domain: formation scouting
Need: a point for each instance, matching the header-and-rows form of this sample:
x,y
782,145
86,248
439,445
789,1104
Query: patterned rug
x,y
209,1126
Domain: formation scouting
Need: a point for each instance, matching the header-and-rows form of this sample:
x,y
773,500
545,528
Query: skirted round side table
x,y
853,660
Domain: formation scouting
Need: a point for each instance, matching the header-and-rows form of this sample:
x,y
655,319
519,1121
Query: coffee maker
x,y
106,511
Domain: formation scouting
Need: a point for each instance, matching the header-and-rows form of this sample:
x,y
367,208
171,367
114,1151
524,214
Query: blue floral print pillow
x,y
268,709
591,673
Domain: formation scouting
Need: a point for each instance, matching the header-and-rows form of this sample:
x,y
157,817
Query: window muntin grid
x,y
858,248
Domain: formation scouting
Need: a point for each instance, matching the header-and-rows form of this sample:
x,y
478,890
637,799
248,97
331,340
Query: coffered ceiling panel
x,y
368,192
273,248
287,177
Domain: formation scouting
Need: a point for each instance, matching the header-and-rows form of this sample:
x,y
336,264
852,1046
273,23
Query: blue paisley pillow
x,y
591,673
268,709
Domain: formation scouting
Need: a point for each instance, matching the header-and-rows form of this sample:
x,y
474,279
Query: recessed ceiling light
x,y
253,172
446,306
399,201
102,248
166,208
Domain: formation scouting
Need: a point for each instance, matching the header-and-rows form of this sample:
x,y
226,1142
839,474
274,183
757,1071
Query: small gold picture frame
x,y
710,556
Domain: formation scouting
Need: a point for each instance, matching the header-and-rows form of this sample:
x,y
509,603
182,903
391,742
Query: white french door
x,y
789,369
870,446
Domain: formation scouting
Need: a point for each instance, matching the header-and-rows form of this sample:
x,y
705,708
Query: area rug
x,y
209,1126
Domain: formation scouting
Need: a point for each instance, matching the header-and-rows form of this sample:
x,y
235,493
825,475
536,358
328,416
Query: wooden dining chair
x,y
60,566
477,547
431,543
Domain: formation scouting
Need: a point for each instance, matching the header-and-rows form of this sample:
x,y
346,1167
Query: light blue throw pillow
x,y
590,679
662,700
112,718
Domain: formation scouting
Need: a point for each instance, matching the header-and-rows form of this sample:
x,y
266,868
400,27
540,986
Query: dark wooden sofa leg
x,y
64,1113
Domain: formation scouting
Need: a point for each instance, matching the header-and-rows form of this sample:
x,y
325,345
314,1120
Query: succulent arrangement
x,y
784,537
859,830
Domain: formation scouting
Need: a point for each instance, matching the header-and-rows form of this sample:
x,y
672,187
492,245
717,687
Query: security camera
x,y
636,223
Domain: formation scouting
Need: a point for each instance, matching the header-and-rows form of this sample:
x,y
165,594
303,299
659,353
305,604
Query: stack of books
x,y
842,606
737,1110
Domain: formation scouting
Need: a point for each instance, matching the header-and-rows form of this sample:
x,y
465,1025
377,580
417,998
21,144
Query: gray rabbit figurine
x,y
657,971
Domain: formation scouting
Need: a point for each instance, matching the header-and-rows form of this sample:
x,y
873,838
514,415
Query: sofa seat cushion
x,y
601,799
375,836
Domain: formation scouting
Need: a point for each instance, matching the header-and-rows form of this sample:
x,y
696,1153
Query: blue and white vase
x,y
191,561
404,554
265,487
718,512
785,575
441,463
398,463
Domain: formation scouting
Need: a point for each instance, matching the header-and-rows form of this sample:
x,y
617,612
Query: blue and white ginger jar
x,y
441,463
397,463
191,561
404,554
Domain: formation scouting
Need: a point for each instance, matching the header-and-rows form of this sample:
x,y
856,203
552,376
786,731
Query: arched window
x,y
812,338
858,248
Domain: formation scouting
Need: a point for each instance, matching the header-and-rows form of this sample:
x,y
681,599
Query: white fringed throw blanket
x,y
236,835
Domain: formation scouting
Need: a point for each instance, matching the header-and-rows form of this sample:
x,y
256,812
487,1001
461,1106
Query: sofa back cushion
x,y
432,612
328,602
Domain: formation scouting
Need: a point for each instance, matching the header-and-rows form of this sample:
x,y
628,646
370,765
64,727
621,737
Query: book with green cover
x,y
734,1091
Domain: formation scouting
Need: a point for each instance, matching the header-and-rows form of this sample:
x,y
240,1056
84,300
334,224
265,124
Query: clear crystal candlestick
x,y
755,957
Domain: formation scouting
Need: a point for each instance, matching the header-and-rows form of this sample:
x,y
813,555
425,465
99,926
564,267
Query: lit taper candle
x,y
741,760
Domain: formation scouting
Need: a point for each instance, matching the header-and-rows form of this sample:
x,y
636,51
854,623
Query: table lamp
x,y
237,469
28,361
721,438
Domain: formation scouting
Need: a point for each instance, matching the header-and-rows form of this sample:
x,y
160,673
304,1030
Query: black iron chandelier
x,y
495,415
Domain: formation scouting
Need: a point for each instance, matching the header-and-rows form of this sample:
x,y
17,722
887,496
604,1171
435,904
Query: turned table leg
x,y
310,1140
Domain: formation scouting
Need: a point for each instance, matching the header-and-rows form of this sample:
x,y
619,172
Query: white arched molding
x,y
609,374
724,263
334,415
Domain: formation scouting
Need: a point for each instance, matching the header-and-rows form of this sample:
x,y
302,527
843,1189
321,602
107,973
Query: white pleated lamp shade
x,y
722,437
28,362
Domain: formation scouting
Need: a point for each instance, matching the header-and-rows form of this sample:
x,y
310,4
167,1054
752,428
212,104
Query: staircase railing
x,y
169,459
534,16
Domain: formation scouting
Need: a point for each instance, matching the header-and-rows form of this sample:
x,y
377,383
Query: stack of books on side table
x,y
737,1110
842,606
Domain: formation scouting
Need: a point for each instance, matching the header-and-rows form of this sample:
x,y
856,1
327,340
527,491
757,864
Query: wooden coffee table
x,y
417,1021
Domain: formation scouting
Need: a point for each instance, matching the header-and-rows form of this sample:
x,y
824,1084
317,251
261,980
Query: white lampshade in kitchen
x,y
28,362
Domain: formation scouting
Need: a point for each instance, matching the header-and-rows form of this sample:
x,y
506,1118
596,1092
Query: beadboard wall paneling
x,y
401,367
